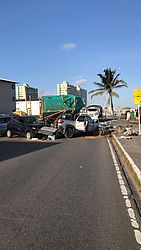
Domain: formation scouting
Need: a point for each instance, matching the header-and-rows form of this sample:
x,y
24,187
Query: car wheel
x,y
28,135
9,134
69,133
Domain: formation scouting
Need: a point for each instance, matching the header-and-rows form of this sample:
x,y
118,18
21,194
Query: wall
x,y
7,97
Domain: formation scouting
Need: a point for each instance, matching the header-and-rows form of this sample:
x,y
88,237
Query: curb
x,y
131,167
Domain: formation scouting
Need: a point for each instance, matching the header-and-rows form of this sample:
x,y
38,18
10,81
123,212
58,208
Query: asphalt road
x,y
61,195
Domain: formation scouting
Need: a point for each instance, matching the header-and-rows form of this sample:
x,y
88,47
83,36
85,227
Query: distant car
x,y
25,126
4,119
94,111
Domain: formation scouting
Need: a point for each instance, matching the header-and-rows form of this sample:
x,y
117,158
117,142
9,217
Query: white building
x,y
65,89
7,96
26,93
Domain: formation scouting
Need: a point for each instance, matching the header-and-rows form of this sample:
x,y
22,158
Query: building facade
x,y
7,96
65,89
26,93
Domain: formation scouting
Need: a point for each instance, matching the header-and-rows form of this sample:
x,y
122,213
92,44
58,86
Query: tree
x,y
109,82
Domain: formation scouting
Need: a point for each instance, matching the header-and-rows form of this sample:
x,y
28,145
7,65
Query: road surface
x,y
63,195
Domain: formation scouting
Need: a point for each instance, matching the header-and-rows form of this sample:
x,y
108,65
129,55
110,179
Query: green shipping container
x,y
52,104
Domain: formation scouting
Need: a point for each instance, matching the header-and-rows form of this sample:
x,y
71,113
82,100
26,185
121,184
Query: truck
x,y
69,125
55,105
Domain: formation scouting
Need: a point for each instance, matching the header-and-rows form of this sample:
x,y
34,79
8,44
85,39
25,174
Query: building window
x,y
13,99
13,86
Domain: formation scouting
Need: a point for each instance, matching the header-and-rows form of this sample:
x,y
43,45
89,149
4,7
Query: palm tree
x,y
109,81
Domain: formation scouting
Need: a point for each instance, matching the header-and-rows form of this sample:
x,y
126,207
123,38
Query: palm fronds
x,y
109,81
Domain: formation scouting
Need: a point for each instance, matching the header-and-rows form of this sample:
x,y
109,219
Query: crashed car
x,y
25,126
81,123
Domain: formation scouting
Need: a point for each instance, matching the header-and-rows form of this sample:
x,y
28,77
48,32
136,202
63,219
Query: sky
x,y
45,42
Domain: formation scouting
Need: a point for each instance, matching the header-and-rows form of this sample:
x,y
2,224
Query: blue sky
x,y
45,42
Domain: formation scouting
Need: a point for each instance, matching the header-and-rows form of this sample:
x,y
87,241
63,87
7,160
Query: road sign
x,y
137,96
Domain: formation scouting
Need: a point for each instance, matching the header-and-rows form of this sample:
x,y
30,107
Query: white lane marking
x,y
124,192
138,236
116,168
123,189
128,203
121,182
119,176
131,213
134,223
125,197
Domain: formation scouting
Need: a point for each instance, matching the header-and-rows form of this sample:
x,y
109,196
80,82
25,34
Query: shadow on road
x,y
10,149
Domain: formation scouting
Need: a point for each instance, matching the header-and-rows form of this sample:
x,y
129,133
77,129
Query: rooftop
x,y
6,80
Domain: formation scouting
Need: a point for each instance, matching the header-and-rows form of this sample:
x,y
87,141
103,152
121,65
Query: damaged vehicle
x,y
70,125
24,126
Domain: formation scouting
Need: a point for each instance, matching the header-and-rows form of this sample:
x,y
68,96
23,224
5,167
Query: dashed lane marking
x,y
124,192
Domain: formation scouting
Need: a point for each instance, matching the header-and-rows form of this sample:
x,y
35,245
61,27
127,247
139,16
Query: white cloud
x,y
69,46
80,81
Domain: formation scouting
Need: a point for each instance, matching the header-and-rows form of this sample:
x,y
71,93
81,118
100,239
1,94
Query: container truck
x,y
55,104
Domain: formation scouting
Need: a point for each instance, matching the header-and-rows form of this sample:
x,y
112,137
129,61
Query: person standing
x,y
137,115
128,116
132,115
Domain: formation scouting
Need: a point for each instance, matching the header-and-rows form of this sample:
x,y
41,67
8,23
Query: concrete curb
x,y
131,167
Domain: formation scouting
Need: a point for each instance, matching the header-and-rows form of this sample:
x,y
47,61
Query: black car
x,y
4,119
22,126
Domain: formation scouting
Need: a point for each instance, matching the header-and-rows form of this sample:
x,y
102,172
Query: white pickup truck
x,y
69,126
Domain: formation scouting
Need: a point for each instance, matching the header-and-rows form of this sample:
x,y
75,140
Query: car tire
x,y
9,134
28,135
69,133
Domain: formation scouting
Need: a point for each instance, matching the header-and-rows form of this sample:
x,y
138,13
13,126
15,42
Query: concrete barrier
x,y
128,162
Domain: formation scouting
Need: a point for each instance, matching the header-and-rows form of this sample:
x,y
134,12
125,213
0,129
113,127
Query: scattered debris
x,y
125,137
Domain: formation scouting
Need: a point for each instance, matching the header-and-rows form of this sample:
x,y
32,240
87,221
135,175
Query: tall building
x,y
7,96
26,93
65,89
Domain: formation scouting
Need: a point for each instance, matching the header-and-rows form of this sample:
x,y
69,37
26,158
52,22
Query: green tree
x,y
109,81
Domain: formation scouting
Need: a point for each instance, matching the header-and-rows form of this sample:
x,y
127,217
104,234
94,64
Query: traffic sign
x,y
137,96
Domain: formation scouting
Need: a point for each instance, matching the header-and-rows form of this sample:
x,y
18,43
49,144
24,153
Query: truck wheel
x,y
28,135
69,133
9,134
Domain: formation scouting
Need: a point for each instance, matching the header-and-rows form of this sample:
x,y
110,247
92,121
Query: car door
x,y
89,123
17,126
81,123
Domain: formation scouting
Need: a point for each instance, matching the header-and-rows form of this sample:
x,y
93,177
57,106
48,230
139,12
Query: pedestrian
x,y
132,115
137,114
128,116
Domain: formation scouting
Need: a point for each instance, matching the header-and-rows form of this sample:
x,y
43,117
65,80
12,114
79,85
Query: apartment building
x,y
7,96
65,89
26,93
